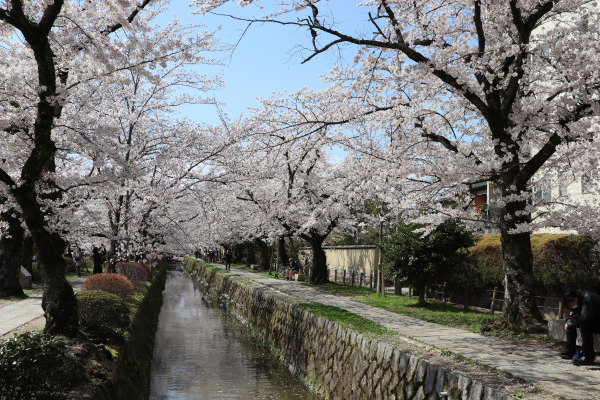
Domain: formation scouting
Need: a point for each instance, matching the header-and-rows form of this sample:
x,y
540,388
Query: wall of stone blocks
x,y
337,363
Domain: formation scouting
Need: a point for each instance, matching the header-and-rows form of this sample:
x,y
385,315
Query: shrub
x,y
132,270
567,262
69,264
37,366
488,266
560,262
147,268
112,283
102,313
420,260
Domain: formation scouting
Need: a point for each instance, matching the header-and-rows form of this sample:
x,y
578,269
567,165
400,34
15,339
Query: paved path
x,y
16,314
540,366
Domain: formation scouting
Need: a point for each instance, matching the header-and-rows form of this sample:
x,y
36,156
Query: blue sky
x,y
266,59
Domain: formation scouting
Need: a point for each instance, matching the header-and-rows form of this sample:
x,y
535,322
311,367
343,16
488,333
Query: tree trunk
x,y
11,256
250,255
281,251
520,312
28,253
319,273
58,300
421,302
264,254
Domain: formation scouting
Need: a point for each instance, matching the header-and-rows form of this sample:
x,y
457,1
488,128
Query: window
x,y
562,190
544,195
587,185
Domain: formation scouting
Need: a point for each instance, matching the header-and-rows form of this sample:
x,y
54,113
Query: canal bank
x,y
337,363
202,352
424,360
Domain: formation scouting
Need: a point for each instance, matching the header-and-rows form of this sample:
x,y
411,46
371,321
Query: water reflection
x,y
201,352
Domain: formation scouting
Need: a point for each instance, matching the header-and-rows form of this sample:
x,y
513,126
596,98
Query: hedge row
x,y
559,262
132,373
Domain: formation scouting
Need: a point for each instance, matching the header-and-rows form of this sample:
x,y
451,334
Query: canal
x,y
202,352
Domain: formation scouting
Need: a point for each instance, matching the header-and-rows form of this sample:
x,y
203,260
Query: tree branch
x,y
130,19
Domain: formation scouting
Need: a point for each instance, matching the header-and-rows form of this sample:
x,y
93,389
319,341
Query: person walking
x,y
78,258
228,257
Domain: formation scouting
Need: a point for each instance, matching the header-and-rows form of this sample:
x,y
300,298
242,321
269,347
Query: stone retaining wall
x,y
337,363
131,377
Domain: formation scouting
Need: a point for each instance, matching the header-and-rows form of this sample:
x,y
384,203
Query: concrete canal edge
x,y
336,362
131,377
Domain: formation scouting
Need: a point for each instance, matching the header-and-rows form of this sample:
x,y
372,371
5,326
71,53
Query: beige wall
x,y
350,258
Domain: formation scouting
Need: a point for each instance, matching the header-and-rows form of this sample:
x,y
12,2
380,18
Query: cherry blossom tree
x,y
135,157
50,50
455,93
284,173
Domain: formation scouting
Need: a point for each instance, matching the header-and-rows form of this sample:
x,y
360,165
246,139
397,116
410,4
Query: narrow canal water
x,y
201,352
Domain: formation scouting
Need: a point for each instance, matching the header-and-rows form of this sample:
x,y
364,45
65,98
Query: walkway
x,y
540,366
24,315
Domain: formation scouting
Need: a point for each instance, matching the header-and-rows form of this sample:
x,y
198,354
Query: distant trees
x,y
282,178
446,95
133,158
59,58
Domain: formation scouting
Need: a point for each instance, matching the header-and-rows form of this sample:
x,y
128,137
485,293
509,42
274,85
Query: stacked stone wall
x,y
131,376
337,363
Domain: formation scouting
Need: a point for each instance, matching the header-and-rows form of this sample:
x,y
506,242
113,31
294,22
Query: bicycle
x,y
280,271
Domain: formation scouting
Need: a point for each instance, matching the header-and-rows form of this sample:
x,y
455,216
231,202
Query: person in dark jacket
x,y
584,314
78,258
293,269
98,257
228,257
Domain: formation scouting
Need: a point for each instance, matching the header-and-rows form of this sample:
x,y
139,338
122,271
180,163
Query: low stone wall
x,y
337,363
556,330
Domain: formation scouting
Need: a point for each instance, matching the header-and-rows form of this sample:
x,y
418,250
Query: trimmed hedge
x,y
102,314
133,271
487,267
560,262
568,262
132,374
112,283
146,268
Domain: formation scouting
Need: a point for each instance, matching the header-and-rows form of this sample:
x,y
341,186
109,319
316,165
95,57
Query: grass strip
x,y
346,319
438,313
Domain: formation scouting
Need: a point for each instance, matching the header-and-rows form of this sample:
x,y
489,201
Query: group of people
x,y
209,255
98,258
